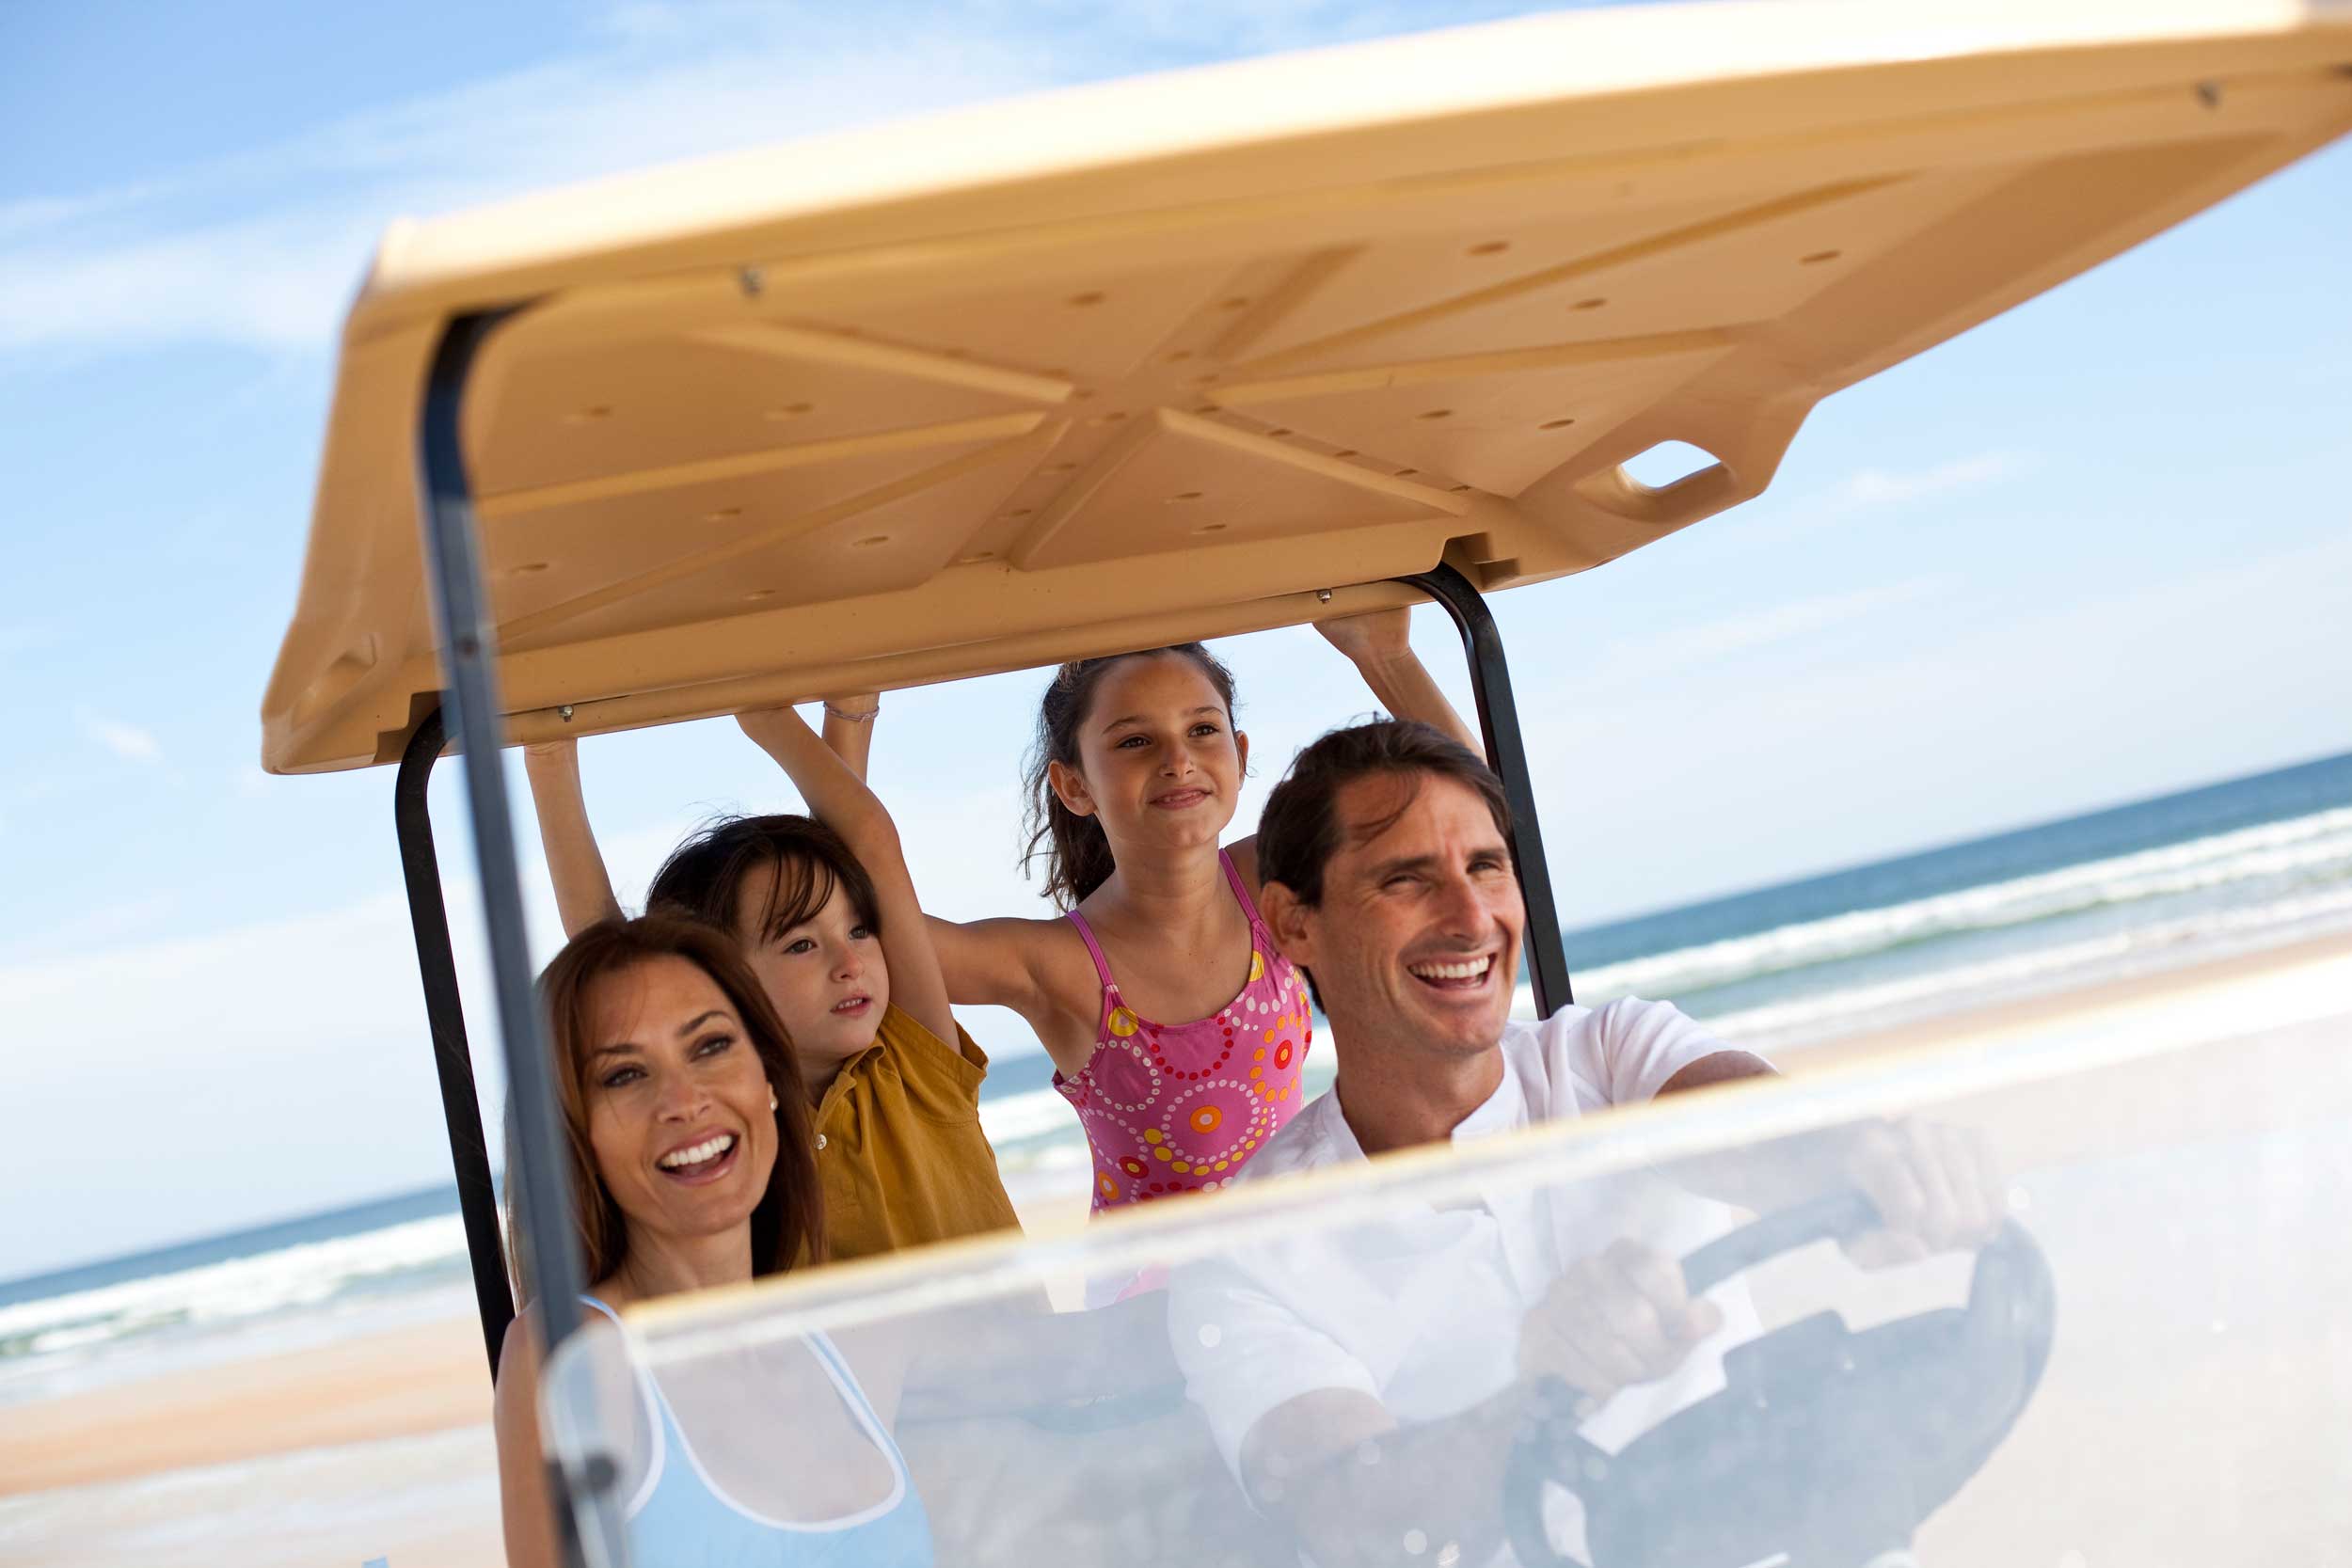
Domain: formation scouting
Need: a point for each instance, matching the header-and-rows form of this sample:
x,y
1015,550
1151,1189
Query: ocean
x,y
2231,867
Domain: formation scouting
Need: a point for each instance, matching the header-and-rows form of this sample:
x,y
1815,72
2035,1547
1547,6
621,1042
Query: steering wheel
x,y
1826,1445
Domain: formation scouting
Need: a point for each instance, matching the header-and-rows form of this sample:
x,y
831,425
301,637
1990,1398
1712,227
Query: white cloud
x,y
1873,487
282,235
127,741
268,1068
117,922
33,215
1782,523
264,249
1708,643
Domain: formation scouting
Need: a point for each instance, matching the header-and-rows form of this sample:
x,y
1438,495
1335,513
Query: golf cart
x,y
1246,348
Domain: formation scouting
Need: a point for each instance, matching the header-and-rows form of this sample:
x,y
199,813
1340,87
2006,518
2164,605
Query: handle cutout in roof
x,y
1664,486
1667,464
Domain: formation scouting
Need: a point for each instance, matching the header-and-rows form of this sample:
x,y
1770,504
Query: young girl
x,y
1177,1028
826,916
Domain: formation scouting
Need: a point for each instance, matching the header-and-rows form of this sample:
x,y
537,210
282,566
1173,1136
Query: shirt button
x,y
820,1140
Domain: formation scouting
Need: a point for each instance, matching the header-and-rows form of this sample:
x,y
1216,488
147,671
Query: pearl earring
x,y
771,1099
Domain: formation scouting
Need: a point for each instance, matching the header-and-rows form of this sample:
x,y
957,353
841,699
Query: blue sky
x,y
2093,551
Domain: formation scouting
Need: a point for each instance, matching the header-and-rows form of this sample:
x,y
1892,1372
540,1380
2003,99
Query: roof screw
x,y
752,279
1323,595
2209,94
567,711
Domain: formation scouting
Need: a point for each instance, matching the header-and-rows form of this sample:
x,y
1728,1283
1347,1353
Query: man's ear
x,y
1293,923
1069,788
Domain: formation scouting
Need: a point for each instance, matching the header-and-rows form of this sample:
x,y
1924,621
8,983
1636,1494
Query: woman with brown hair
x,y
690,1160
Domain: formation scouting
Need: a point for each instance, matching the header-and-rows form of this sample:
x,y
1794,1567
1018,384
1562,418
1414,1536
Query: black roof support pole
x,y
1506,753
445,1016
468,640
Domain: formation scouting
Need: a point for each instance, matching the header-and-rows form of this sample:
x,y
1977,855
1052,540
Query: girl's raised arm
x,y
583,891
838,798
1379,645
849,728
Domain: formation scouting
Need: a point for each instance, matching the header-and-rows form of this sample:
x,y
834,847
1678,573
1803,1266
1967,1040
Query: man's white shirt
x,y
1421,1309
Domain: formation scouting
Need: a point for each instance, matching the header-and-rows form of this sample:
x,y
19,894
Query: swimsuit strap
x,y
658,1417
1241,891
852,1395
847,1388
1102,964
1103,971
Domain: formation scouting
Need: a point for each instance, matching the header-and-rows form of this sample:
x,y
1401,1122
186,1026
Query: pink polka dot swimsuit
x,y
1181,1107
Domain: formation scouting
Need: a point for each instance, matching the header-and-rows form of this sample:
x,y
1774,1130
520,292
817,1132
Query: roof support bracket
x,y
445,1016
1506,753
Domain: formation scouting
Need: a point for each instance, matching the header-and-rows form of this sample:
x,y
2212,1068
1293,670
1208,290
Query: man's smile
x,y
1465,974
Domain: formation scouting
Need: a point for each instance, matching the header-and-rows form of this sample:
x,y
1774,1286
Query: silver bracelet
x,y
849,718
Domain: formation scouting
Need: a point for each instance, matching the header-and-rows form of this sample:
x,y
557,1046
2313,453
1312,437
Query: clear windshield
x,y
1412,1361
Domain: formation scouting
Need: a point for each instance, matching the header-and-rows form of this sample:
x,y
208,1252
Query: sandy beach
x,y
379,1448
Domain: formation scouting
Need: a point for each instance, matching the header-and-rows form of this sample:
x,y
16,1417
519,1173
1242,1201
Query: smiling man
x,y
1387,864
1366,1384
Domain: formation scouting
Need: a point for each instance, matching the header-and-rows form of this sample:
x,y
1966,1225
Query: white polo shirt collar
x,y
1503,1111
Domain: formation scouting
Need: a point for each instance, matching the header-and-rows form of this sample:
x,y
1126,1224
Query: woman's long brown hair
x,y
788,1224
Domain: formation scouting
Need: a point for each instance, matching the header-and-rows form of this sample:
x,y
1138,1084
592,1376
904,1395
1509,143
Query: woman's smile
x,y
699,1163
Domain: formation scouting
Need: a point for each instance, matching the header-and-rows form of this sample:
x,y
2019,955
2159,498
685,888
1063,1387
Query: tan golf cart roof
x,y
1160,359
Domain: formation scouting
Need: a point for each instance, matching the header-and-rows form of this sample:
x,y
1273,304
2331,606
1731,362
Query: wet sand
x,y
379,1447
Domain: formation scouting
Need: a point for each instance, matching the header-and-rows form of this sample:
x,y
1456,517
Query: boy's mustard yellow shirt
x,y
900,1146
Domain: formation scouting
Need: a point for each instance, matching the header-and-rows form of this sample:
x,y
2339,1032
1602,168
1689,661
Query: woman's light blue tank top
x,y
679,1518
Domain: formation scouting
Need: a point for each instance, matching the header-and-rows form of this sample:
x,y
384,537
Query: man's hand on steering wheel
x,y
1617,1317
1936,1187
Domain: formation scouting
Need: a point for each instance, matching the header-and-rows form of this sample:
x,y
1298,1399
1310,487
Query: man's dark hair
x,y
1299,831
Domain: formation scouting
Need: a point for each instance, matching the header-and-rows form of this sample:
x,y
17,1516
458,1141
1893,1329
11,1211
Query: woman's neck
x,y
665,1265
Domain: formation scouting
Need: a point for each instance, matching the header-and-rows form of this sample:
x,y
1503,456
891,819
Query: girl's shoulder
x,y
1242,853
1048,953
1040,968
